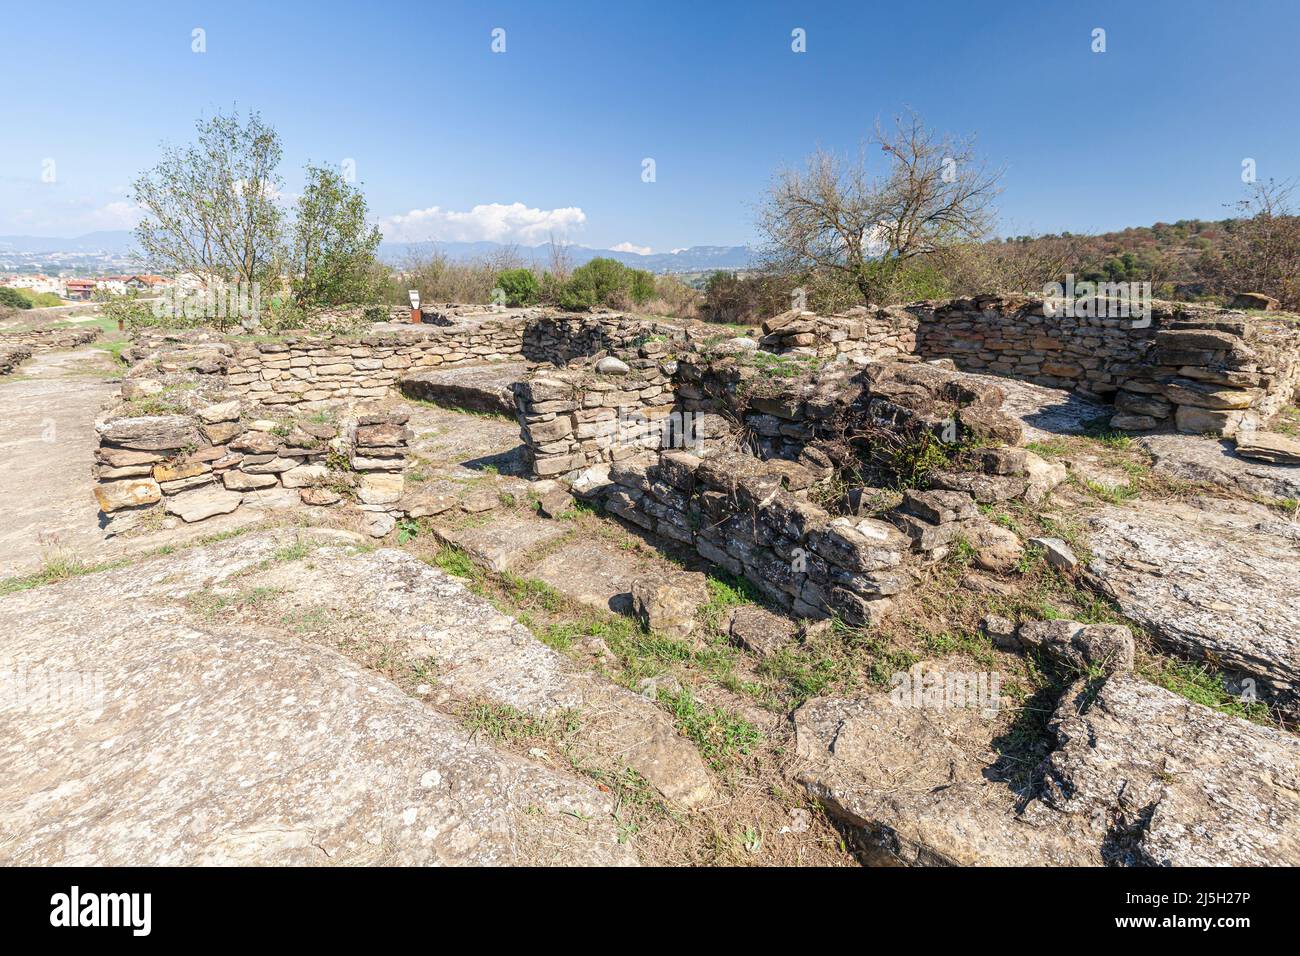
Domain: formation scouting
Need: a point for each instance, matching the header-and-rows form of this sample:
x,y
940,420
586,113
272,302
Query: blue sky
x,y
1155,128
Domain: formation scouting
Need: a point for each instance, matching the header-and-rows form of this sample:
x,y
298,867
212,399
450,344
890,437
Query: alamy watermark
x,y
219,300
947,690
1099,300
37,689
680,430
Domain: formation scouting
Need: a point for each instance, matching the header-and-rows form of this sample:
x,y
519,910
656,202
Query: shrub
x,y
127,309
599,282
520,286
642,285
733,298
13,298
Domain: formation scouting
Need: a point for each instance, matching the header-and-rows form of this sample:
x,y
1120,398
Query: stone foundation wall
x,y
195,466
559,338
314,370
741,514
11,356
1013,337
742,497
17,347
572,419
1192,368
870,333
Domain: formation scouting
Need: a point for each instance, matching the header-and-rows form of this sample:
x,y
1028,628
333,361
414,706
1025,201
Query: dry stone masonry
x,y
18,346
743,491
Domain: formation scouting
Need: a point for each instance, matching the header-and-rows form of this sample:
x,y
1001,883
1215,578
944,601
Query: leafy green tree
x,y
334,251
211,207
520,286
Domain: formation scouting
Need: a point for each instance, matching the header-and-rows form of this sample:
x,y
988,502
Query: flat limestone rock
x,y
593,573
478,388
1179,784
191,739
484,655
204,502
1139,776
1208,583
1210,460
501,543
1046,412
913,780
1270,447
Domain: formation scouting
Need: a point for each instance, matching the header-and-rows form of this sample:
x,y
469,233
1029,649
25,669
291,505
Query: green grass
x,y
1202,685
1052,448
503,722
208,604
456,562
54,569
720,735
292,552
725,594
1099,430
1288,422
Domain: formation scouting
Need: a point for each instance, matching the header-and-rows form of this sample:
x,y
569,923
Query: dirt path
x,y
47,442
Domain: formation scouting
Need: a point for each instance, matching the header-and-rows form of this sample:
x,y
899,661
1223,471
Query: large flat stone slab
x,y
478,388
1212,580
1045,412
1178,784
459,445
186,733
593,573
1138,776
502,541
1214,461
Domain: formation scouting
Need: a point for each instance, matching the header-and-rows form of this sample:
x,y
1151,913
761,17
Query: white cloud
x,y
628,247
492,222
114,215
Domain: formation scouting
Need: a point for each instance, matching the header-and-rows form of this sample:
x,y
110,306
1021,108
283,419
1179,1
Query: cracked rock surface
x,y
180,736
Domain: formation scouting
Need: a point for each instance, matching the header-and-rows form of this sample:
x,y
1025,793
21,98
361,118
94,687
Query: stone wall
x,y
862,331
211,461
313,370
765,431
11,356
1013,337
740,513
1192,368
18,346
574,418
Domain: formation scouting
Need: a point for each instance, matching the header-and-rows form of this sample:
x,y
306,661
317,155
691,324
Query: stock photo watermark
x,y
242,300
1099,300
920,689
29,689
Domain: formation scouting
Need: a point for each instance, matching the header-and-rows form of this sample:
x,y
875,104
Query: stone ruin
x,y
18,346
764,456
724,444
726,462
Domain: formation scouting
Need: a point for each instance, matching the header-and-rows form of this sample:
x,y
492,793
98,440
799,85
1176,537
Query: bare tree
x,y
561,263
1262,252
837,215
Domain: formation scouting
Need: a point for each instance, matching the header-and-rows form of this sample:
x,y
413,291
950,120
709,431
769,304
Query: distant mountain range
x,y
695,259
112,242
